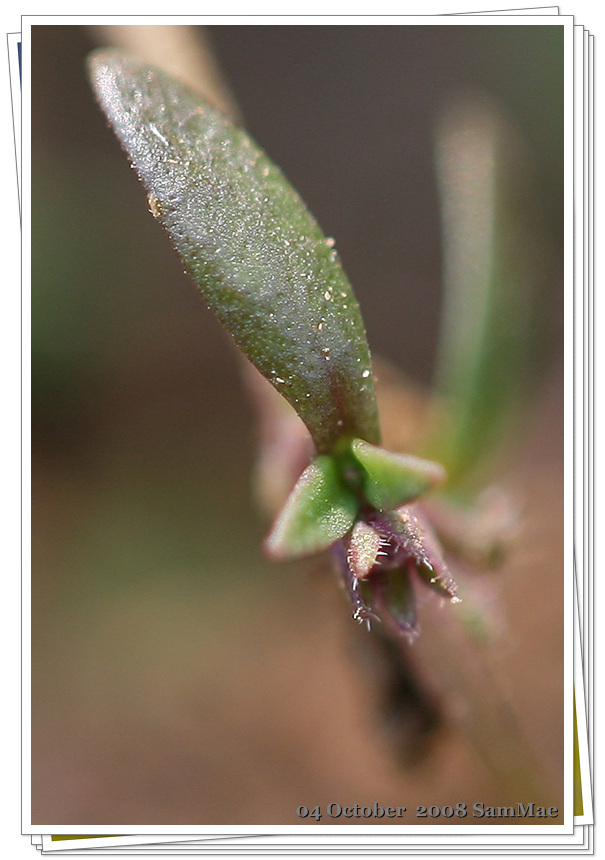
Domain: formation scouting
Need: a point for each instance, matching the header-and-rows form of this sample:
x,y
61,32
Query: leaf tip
x,y
319,511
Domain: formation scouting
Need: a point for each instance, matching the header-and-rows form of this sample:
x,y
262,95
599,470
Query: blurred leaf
x,y
494,261
258,256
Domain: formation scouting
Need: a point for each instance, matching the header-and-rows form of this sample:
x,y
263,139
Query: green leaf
x,y
245,236
319,511
392,480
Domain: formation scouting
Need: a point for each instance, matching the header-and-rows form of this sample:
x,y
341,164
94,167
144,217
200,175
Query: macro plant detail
x,y
277,285
329,563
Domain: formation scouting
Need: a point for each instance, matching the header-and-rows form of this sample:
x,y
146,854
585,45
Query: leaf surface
x,y
245,236
392,480
319,511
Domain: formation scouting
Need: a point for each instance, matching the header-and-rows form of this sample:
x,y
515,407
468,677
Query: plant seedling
x,y
277,285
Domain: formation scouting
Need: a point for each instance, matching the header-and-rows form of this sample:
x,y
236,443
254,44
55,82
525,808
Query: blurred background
x,y
179,678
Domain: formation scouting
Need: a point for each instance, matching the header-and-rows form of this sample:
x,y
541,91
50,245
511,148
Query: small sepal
x,y
319,511
409,531
392,480
364,549
394,601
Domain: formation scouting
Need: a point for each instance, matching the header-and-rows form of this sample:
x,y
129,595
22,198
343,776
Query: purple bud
x,y
382,561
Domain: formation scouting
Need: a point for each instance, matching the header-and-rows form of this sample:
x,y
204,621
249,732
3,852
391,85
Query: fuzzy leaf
x,y
392,480
408,528
319,511
247,239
